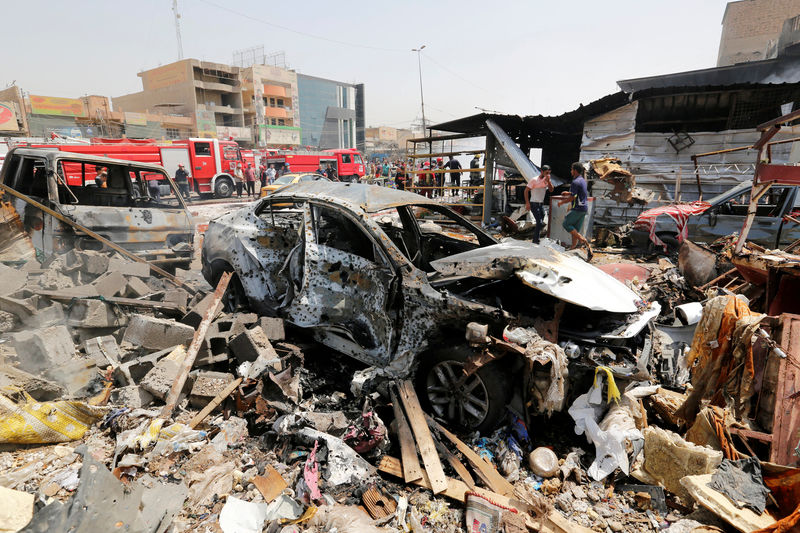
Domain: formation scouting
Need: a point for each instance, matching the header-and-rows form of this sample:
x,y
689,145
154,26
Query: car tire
x,y
223,187
477,405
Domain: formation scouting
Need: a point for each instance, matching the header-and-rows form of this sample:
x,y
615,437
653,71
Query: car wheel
x,y
477,404
223,188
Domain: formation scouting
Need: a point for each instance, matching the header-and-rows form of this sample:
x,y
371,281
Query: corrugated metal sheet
x,y
657,165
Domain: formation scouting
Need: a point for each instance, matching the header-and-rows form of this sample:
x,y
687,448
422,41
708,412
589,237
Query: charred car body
x,y
393,279
118,205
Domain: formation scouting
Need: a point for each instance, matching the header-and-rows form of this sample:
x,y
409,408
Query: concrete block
x,y
159,379
81,291
273,327
94,314
251,345
176,296
93,262
196,313
207,385
137,288
69,262
128,268
156,333
668,458
131,396
11,280
44,348
47,316
110,284
133,371
103,351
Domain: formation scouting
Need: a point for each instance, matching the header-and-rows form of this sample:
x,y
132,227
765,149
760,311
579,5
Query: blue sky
x,y
518,57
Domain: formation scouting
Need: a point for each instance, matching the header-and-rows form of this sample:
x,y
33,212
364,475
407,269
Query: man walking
x,y
182,180
578,195
534,197
270,174
250,179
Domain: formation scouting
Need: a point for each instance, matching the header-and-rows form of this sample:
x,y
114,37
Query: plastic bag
x,y
610,443
35,422
239,516
343,519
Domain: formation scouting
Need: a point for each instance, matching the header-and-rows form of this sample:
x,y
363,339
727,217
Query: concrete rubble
x,y
267,433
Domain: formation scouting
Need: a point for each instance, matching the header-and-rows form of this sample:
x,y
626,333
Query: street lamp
x,y
421,97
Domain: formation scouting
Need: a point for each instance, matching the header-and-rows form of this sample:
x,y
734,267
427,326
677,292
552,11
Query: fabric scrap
x,y
741,481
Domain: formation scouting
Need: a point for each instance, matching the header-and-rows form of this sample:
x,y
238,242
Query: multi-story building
x,y
271,105
210,94
331,113
751,29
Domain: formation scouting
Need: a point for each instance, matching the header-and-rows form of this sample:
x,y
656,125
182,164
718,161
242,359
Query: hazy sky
x,y
523,57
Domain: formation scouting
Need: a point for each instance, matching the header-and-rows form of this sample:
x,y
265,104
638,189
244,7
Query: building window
x,y
281,122
173,133
272,102
280,102
273,122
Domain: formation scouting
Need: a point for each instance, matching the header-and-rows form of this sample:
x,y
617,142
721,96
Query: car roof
x,y
357,196
56,155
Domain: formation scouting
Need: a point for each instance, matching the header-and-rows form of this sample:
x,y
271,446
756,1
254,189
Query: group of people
x,y
429,178
248,178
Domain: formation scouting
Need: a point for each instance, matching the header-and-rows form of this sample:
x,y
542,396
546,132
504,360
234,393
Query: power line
x,y
298,32
452,73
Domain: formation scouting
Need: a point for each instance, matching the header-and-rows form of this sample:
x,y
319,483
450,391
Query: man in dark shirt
x,y
578,195
455,177
182,180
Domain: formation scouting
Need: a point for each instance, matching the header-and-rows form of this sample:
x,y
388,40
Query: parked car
x,y
392,279
288,179
122,211
724,214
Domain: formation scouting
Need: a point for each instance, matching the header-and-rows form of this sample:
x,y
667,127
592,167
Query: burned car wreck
x,y
396,280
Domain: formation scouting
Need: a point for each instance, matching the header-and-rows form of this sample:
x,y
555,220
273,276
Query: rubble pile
x,y
138,403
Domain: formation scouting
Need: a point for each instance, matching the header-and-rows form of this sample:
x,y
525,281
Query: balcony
x,y
220,109
275,90
276,112
214,86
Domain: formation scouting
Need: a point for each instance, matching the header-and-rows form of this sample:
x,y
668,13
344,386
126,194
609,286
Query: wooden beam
x,y
408,449
488,472
457,465
218,399
194,347
133,302
427,449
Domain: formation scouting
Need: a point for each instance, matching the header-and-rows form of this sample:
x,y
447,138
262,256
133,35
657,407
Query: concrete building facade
x,y
271,105
209,94
331,113
751,29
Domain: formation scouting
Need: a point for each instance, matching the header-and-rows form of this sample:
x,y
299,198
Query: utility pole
x,y
177,28
421,96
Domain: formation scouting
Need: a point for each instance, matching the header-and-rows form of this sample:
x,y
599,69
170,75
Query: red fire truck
x,y
347,162
209,162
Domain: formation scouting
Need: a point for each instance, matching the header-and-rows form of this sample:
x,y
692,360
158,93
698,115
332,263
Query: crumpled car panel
x,y
560,275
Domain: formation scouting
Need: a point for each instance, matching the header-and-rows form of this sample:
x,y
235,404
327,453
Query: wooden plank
x,y
487,472
786,420
456,489
218,399
408,448
133,302
194,348
457,465
427,449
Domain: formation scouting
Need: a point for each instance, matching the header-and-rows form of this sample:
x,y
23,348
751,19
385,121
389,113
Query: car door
x,y
348,286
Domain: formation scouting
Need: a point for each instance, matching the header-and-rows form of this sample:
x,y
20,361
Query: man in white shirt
x,y
271,174
534,197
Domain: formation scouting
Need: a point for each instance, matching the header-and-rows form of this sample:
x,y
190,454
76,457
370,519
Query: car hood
x,y
558,274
